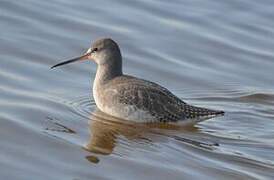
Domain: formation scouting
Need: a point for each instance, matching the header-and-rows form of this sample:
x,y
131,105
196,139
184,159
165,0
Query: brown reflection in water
x,y
105,129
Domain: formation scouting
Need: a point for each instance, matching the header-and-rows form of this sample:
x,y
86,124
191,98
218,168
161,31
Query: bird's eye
x,y
95,49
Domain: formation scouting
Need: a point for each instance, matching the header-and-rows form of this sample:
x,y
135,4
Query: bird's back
x,y
139,100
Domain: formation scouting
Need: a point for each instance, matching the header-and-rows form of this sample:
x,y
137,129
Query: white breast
x,y
122,111
130,113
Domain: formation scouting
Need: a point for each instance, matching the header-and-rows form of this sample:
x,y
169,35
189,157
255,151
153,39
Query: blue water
x,y
215,54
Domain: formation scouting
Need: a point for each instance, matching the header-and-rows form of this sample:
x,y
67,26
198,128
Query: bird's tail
x,y
197,114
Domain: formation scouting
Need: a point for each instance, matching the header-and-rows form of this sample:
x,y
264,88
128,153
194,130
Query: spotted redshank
x,y
134,99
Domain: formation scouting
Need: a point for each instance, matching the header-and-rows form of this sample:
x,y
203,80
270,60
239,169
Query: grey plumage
x,y
131,98
153,98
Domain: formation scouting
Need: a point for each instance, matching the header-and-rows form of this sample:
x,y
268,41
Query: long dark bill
x,y
84,57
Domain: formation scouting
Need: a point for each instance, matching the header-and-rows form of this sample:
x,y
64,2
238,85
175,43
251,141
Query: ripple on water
x,y
81,105
214,54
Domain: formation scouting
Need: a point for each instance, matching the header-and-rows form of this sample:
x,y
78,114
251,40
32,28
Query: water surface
x,y
215,54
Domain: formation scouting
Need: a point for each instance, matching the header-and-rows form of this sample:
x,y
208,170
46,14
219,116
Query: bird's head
x,y
102,51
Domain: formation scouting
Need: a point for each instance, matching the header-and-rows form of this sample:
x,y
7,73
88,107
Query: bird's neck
x,y
106,72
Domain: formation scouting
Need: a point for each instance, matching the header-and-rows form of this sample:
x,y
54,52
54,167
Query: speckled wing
x,y
154,99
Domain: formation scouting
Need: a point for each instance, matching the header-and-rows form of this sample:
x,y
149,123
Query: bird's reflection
x,y
105,130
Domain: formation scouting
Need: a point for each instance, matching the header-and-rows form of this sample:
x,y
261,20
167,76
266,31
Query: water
x,y
215,54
